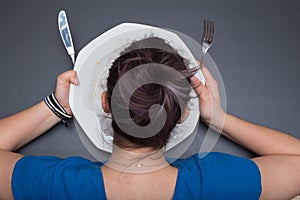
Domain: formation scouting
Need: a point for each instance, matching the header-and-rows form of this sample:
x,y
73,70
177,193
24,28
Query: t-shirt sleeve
x,y
230,177
55,178
217,176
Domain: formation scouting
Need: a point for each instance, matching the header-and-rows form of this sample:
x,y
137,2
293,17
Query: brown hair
x,y
171,98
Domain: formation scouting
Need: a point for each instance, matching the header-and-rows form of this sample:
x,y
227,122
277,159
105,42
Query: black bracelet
x,y
57,109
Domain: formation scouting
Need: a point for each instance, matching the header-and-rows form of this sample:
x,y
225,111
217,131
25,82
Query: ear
x,y
104,102
185,115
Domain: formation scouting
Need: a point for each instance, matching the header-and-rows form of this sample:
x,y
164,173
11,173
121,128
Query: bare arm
x,y
19,129
259,139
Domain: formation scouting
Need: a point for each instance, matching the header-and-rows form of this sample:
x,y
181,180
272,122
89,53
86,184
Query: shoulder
x,y
54,164
212,159
219,175
47,176
55,160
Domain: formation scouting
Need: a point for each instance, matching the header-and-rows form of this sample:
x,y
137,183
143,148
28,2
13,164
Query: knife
x,y
65,34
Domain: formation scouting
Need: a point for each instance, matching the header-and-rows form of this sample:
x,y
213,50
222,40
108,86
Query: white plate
x,y
92,66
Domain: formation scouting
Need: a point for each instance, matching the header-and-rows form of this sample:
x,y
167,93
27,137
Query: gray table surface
x,y
256,49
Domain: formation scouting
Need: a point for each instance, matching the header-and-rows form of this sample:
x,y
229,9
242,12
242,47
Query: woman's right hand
x,y
211,111
63,84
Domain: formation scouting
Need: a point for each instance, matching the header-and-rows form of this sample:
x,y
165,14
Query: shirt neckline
x,y
176,189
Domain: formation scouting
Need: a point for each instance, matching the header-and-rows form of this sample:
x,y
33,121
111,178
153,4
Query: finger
x,y
207,75
195,82
69,77
74,79
199,87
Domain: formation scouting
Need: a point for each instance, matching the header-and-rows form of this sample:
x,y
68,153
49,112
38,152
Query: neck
x,y
140,160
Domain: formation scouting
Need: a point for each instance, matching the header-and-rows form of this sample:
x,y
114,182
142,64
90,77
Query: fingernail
x,y
194,78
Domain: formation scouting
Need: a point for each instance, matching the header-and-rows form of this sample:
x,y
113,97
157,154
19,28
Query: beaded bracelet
x,y
57,109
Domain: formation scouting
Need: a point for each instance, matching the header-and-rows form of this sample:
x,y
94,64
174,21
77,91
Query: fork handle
x,y
202,59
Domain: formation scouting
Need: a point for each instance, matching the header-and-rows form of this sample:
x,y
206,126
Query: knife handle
x,y
65,33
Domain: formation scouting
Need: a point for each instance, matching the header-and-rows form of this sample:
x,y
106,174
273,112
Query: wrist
x,y
58,109
218,121
62,103
51,116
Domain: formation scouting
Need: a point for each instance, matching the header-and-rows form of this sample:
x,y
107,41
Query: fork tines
x,y
208,30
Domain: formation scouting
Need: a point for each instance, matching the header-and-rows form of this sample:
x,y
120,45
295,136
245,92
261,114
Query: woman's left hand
x,y
63,83
211,109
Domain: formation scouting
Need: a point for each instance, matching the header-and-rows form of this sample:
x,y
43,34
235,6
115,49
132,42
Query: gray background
x,y
256,49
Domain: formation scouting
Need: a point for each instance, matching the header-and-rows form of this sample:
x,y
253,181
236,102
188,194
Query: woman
x,y
274,175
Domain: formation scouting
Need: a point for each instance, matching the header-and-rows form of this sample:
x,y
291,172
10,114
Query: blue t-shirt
x,y
215,176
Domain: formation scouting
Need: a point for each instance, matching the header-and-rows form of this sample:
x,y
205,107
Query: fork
x,y
207,38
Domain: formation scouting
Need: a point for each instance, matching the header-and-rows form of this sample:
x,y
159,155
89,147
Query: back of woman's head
x,y
172,95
